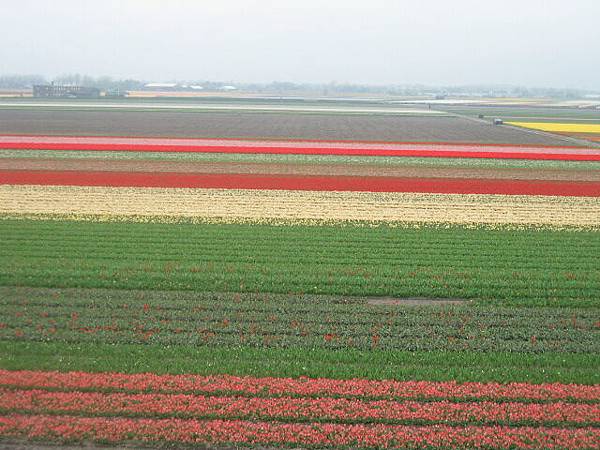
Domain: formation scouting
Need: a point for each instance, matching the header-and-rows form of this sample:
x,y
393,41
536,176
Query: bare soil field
x,y
268,125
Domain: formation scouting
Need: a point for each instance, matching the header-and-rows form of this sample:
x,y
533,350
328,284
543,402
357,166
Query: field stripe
x,y
113,430
298,148
268,206
553,156
298,409
252,142
349,161
297,182
560,127
272,168
305,387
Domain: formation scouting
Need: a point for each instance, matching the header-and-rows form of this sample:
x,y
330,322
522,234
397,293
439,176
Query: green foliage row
x,y
503,267
287,321
460,366
474,163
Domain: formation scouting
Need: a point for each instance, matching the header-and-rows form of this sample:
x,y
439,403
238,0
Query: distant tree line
x,y
107,83
103,82
20,81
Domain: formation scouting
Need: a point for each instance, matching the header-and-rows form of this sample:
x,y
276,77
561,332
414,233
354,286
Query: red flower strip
x,y
5,139
286,408
355,148
223,431
320,387
298,182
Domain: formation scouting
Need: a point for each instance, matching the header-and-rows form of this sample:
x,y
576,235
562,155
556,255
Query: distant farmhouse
x,y
61,90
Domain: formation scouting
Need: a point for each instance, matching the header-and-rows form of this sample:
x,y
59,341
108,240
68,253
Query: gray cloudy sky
x,y
526,42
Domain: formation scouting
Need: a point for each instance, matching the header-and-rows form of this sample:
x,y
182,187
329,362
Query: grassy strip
x,y
503,267
284,321
293,362
307,159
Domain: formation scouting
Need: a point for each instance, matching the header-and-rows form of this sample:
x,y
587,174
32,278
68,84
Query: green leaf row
x,y
287,321
500,267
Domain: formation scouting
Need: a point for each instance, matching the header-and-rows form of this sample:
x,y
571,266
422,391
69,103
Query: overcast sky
x,y
547,43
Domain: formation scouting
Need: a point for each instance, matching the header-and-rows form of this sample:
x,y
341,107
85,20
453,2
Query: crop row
x,y
115,430
248,386
399,149
204,265
530,287
354,310
294,409
560,127
57,248
301,182
282,321
481,286
539,165
224,333
345,310
462,366
478,264
324,170
160,204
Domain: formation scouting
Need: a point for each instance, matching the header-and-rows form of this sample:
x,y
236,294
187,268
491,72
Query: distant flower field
x,y
584,131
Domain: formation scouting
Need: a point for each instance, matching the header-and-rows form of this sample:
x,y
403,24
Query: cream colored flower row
x,y
268,206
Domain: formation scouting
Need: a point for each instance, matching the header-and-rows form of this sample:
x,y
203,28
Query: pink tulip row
x,y
112,430
300,386
303,409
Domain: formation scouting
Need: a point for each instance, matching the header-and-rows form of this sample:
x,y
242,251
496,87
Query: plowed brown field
x,y
267,125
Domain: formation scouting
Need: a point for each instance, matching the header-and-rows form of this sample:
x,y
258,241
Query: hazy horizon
x,y
433,43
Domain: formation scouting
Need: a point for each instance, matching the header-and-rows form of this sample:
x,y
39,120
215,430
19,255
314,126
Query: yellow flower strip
x,y
560,127
284,207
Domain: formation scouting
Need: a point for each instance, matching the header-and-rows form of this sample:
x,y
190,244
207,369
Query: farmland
x,y
580,124
399,262
375,127
589,131
527,113
315,280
